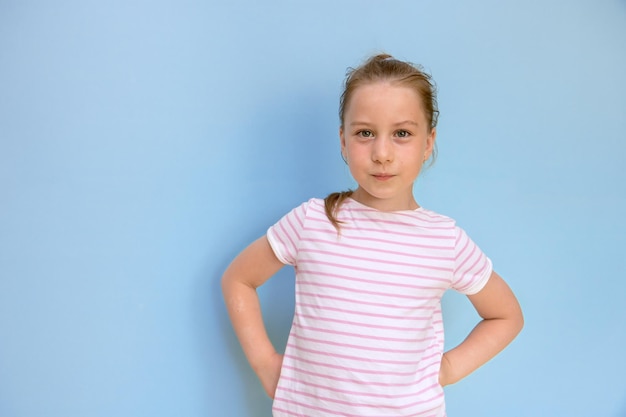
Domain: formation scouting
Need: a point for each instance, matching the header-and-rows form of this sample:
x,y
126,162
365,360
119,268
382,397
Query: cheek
x,y
352,151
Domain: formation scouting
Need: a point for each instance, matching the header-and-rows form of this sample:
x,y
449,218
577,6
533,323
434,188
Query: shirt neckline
x,y
359,204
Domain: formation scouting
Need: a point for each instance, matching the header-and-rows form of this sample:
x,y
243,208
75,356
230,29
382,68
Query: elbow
x,y
518,320
226,282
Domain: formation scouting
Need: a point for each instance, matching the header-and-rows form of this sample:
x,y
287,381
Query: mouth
x,y
383,177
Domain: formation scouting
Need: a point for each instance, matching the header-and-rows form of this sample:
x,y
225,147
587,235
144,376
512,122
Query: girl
x,y
371,268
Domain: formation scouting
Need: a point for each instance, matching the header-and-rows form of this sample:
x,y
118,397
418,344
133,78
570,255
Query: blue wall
x,y
144,143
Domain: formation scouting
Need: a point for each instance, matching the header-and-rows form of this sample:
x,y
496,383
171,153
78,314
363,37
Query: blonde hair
x,y
384,67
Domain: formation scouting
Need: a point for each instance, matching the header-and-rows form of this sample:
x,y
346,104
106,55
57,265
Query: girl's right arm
x,y
250,269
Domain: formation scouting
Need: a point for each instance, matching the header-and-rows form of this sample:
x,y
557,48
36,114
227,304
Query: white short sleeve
x,y
284,236
472,268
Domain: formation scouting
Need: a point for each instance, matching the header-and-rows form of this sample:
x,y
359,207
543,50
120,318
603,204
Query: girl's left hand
x,y
444,371
502,320
270,374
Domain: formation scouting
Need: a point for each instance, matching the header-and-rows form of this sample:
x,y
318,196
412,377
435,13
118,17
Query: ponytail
x,y
331,206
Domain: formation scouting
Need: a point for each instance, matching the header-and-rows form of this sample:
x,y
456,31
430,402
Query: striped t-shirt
x,y
367,333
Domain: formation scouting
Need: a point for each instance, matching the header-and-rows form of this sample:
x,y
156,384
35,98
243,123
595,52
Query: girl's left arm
x,y
502,320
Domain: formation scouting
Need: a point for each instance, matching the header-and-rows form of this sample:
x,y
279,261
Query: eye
x,y
365,133
403,133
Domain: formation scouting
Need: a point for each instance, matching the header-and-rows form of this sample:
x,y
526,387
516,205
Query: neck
x,y
385,204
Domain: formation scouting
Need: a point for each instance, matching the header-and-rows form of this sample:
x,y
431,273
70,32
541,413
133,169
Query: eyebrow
x,y
404,122
407,122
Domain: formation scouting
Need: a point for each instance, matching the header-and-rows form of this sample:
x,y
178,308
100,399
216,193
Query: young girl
x,y
371,268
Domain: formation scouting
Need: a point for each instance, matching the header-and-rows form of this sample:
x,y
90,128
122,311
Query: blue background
x,y
144,143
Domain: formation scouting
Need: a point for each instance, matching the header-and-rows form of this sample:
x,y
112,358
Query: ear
x,y
342,140
430,143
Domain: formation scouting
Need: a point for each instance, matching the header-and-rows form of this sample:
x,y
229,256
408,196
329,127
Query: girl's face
x,y
385,140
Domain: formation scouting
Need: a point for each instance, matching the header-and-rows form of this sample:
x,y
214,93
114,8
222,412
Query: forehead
x,y
385,98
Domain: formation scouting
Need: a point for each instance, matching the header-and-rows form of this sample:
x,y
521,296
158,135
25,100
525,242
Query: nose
x,y
382,150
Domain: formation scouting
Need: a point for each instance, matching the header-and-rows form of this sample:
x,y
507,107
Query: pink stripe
x,y
282,410
415,222
379,373
355,404
474,277
351,369
286,247
361,382
382,261
358,291
350,300
357,393
375,271
357,347
310,407
435,356
368,325
352,358
466,259
380,250
385,241
361,313
394,232
423,215
349,380
386,373
397,232
294,230
480,274
395,242
333,413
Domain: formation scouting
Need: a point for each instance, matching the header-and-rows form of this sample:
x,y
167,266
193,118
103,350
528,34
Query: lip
x,y
383,177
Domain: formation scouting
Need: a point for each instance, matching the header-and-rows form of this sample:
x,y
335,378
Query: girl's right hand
x,y
249,270
270,373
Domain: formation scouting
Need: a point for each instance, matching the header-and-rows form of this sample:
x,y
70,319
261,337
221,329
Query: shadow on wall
x,y
622,412
294,153
277,316
283,153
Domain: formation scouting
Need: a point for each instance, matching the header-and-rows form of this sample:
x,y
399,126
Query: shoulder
x,y
315,202
433,217
445,222
313,207
436,222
